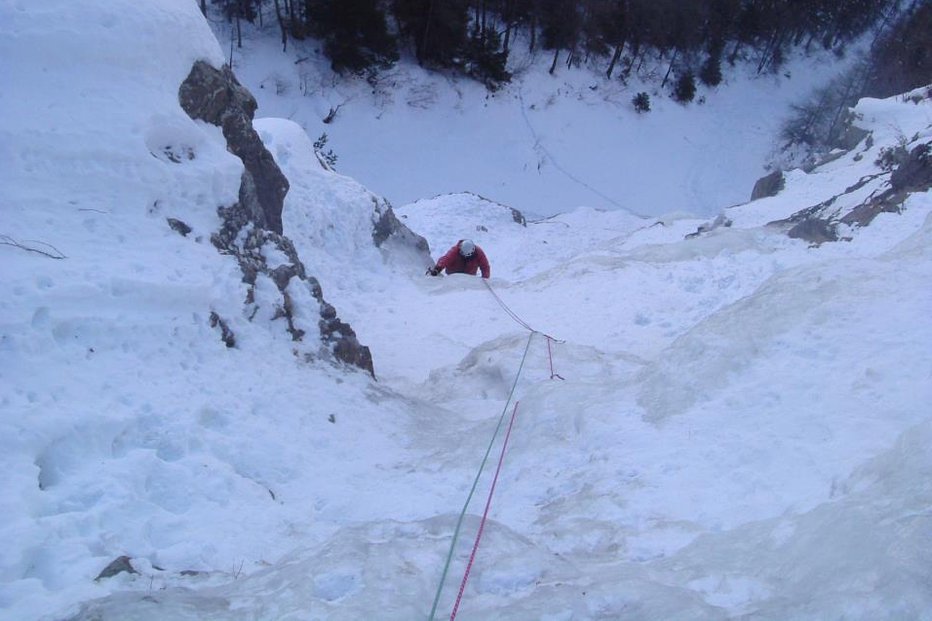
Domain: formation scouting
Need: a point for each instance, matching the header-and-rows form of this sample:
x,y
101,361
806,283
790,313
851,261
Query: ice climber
x,y
463,258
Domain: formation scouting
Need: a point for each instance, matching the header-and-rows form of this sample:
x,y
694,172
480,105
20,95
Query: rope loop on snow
x,y
550,356
504,306
526,326
514,315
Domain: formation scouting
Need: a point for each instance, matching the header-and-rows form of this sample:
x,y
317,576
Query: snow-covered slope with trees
x,y
732,423
543,143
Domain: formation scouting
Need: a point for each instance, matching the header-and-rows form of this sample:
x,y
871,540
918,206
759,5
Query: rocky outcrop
x,y
387,226
767,186
908,171
243,239
719,221
914,173
215,96
118,565
226,334
179,227
814,230
252,227
516,215
851,137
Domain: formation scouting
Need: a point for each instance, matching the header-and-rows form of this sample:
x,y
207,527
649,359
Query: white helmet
x,y
467,248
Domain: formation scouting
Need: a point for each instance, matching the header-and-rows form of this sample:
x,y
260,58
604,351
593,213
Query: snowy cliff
x,y
733,422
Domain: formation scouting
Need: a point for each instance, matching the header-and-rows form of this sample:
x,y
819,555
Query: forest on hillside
x,y
693,39
678,46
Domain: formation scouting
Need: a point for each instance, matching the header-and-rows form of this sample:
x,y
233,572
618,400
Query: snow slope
x,y
543,144
741,429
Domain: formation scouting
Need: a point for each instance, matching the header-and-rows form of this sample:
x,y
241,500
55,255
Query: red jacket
x,y
454,263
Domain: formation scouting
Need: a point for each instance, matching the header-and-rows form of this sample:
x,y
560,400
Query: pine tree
x,y
438,29
486,61
641,102
685,89
559,27
354,32
711,71
238,10
902,60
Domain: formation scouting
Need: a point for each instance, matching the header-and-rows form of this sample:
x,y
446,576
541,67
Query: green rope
x,y
475,483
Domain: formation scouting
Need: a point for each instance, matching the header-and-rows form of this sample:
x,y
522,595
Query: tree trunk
x,y
641,60
292,17
611,66
420,50
809,42
670,68
734,54
483,20
281,25
840,108
239,33
533,34
506,17
768,52
890,13
553,67
635,50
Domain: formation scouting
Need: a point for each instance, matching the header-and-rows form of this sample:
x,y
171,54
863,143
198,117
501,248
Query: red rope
x,y
485,514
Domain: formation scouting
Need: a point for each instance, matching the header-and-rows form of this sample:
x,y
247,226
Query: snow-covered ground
x,y
740,427
543,144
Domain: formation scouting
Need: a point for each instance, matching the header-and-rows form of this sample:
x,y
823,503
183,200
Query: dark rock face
x,y
852,137
244,239
771,185
215,96
814,230
117,566
255,221
909,171
342,339
388,226
179,227
915,173
226,334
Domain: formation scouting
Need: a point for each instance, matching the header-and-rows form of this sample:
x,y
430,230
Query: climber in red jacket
x,y
463,258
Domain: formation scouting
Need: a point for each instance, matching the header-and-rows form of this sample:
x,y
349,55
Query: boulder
x,y
767,186
118,565
388,226
915,173
814,230
216,97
